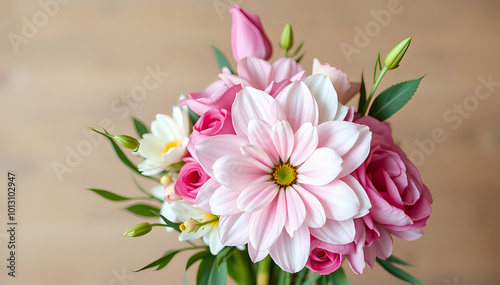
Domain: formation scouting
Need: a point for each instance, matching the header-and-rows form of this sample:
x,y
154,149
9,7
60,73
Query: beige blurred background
x,y
78,64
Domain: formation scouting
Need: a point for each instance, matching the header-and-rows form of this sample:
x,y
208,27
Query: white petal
x,y
258,154
205,193
364,201
159,192
326,97
250,104
223,201
255,255
339,136
259,133
358,153
212,240
320,168
305,142
335,232
185,211
341,112
291,253
315,214
298,105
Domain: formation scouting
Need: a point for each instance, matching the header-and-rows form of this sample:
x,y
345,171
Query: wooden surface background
x,y
76,66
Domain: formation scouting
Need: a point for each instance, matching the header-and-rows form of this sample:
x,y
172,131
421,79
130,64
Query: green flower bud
x,y
127,141
139,230
286,41
396,54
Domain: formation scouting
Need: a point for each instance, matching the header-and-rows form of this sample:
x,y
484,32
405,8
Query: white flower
x,y
166,144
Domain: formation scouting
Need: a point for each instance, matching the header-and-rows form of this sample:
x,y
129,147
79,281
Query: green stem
x,y
301,276
244,270
263,267
312,279
368,101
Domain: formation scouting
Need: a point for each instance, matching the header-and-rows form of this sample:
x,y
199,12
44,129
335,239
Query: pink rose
x,y
191,178
345,89
213,122
325,258
247,36
400,200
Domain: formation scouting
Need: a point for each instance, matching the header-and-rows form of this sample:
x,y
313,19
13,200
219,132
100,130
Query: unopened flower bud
x,y
139,230
127,141
166,180
189,226
286,41
396,54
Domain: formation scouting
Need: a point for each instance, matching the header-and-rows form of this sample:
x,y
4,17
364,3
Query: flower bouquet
x,y
281,182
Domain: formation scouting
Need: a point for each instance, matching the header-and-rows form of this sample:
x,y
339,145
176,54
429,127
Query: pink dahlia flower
x,y
252,72
285,175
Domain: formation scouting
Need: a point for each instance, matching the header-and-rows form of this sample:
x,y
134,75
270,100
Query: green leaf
x,y
323,280
240,268
143,210
393,99
300,58
108,195
223,254
362,95
169,223
162,261
399,273
393,259
338,277
193,116
222,60
196,257
297,50
140,127
284,278
312,279
210,274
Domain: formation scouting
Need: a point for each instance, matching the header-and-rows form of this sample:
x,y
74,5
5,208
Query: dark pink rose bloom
x,y
325,258
191,178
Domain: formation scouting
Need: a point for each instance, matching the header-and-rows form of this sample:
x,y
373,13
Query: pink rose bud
x,y
324,258
247,36
191,178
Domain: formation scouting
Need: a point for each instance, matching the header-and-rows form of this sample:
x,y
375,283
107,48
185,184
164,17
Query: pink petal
x,y
298,104
320,168
223,201
383,247
315,214
337,135
284,68
267,224
364,200
326,97
282,136
305,142
295,211
258,154
256,196
210,150
236,171
256,71
408,235
255,255
337,198
338,232
205,193
259,134
291,253
233,229
358,153
250,104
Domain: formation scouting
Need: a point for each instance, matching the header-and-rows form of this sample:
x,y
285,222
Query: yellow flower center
x,y
176,143
284,174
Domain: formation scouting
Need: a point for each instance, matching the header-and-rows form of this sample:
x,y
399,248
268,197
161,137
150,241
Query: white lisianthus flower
x,y
167,142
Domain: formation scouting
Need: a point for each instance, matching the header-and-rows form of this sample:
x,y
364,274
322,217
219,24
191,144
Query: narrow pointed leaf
x,y
362,95
140,127
398,272
297,50
162,261
394,259
224,254
210,274
379,63
143,210
393,99
222,60
196,257
169,223
193,116
109,195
